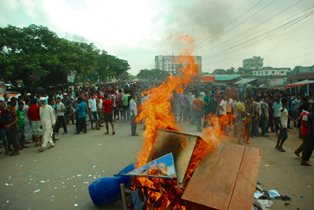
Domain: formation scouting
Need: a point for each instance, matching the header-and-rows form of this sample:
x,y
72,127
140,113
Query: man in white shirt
x,y
222,111
60,110
47,119
92,105
133,114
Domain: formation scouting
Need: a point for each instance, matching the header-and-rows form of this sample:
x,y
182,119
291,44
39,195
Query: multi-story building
x,y
172,64
254,63
270,71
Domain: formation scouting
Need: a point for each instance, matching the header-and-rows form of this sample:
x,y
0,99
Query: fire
x,y
156,110
157,113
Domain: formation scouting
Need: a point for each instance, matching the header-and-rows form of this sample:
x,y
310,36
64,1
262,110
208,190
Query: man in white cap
x,y
47,119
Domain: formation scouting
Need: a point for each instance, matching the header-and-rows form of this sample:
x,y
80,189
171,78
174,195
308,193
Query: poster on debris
x,y
162,167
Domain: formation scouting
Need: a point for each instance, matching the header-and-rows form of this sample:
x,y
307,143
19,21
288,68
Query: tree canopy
x,y
38,56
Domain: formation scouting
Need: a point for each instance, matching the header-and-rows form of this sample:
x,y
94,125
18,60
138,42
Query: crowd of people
x,y
252,116
38,117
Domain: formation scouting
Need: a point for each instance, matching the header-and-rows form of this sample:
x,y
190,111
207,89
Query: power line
x,y
254,27
222,30
267,34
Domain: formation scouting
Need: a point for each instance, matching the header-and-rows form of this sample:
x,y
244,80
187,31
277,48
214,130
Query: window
x,y
273,72
266,72
282,72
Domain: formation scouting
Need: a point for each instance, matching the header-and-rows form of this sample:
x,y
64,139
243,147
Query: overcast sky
x,y
225,31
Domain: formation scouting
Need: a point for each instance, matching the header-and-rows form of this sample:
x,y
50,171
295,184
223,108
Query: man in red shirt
x,y
107,108
34,119
304,128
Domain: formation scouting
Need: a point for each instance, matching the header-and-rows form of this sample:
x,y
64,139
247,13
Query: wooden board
x,y
243,193
213,182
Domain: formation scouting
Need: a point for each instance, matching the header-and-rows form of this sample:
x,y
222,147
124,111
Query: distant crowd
x,y
38,117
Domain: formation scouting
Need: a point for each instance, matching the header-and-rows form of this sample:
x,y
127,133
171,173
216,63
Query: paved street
x,y
59,177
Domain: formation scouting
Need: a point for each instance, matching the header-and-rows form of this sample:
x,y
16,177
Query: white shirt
x,y
92,104
60,109
229,105
284,117
133,107
47,116
223,107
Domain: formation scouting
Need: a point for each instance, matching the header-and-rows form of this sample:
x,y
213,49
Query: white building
x,y
253,63
170,63
269,71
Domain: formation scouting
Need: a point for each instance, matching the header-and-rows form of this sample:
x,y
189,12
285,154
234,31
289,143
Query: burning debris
x,y
209,175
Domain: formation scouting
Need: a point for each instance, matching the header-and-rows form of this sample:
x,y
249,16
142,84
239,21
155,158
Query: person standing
x,y
304,128
126,107
92,105
60,110
264,118
309,143
34,117
277,105
48,120
12,128
3,128
133,114
81,112
20,123
107,111
27,125
283,125
198,107
222,112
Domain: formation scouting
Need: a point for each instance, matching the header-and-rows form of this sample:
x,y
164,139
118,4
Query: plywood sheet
x,y
213,181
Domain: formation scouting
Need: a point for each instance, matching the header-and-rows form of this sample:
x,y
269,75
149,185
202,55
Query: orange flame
x,y
156,110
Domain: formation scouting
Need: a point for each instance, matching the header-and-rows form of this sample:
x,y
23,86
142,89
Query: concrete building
x,y
254,63
269,71
171,64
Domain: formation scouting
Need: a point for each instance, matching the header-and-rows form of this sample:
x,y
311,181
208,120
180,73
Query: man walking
x,y
198,107
81,112
107,110
60,109
47,119
133,113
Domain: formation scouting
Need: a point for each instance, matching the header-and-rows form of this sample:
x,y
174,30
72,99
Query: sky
x,y
225,31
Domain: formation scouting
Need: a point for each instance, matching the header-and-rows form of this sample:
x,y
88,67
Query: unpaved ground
x,y
58,178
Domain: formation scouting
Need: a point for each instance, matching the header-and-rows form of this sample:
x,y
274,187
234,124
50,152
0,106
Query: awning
x,y
207,78
300,83
245,81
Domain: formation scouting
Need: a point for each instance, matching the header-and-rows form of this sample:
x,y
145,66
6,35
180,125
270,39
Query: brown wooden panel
x,y
243,194
213,185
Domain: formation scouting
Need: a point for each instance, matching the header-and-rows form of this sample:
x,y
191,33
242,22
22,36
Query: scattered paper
x,y
94,166
35,160
42,181
7,184
52,196
309,186
9,178
258,194
8,201
76,205
273,193
55,188
79,175
74,185
266,165
62,182
36,191
89,175
21,166
85,182
99,144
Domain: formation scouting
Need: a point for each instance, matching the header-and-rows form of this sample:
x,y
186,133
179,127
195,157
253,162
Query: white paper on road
x,y
36,191
273,193
258,194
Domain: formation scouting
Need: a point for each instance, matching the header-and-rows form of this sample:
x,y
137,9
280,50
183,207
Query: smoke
x,y
202,19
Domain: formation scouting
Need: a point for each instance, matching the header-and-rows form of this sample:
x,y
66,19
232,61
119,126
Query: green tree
x,y
39,57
